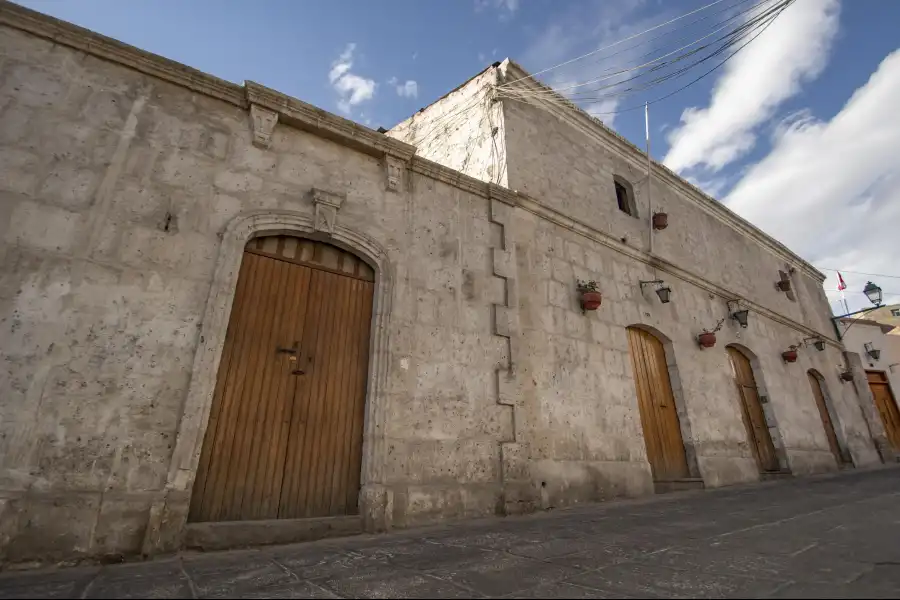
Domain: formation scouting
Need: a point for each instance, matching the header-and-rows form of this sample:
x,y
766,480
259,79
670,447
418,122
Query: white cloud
x,y
409,89
771,69
507,8
831,190
351,88
574,32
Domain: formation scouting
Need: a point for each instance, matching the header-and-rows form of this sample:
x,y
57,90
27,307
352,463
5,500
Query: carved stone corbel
x,y
263,121
394,168
326,206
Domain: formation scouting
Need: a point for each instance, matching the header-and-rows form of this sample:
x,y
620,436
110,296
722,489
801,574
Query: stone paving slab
x,y
824,537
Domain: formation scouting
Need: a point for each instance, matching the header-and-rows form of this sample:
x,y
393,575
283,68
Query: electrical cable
x,y
631,37
732,38
556,90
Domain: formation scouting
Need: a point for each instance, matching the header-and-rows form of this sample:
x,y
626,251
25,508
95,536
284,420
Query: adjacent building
x,y
221,307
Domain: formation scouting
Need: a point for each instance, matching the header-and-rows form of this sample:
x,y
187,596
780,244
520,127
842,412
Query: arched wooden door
x,y
284,438
886,405
752,411
827,422
659,416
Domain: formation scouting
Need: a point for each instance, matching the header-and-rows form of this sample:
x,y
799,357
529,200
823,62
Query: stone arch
x,y
684,420
832,413
765,401
168,515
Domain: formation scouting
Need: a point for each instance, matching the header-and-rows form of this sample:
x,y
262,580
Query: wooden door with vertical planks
x,y
284,438
656,403
827,423
752,410
886,405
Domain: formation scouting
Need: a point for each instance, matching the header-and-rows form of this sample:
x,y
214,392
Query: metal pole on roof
x,y
649,162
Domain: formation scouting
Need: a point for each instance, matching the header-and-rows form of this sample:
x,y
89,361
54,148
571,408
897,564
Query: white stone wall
x,y
463,130
116,189
490,390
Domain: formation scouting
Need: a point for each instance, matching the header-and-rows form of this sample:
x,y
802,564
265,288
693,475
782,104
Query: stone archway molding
x,y
168,514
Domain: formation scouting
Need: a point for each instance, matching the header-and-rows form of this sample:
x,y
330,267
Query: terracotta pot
x,y
660,220
784,285
591,300
707,339
847,375
789,356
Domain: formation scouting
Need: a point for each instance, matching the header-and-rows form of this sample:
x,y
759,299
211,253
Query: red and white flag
x,y
841,285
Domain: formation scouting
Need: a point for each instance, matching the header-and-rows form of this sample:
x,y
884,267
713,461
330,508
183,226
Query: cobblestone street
x,y
823,537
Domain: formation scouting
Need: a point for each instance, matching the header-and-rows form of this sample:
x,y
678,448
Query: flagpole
x,y
649,163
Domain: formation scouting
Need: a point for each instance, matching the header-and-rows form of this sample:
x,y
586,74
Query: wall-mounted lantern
x,y
707,339
663,291
591,298
873,352
660,220
817,342
738,312
873,293
790,355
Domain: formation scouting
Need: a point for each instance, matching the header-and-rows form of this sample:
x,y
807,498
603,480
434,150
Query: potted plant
x,y
660,220
784,285
790,355
707,339
590,297
847,376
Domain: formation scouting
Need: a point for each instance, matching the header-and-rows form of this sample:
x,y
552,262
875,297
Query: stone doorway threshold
x,y
224,535
664,486
775,475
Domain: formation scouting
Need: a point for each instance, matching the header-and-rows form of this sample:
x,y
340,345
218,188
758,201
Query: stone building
x,y
876,348
888,315
221,306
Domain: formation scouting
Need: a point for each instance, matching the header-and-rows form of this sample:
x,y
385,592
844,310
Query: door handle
x,y
293,351
294,354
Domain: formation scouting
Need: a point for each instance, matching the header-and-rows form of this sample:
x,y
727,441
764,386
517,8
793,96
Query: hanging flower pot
x,y
591,300
707,339
660,220
789,356
784,285
847,376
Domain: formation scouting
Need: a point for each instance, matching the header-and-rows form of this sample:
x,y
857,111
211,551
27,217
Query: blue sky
x,y
794,133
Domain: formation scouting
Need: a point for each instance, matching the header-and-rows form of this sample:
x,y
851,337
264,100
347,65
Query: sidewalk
x,y
822,537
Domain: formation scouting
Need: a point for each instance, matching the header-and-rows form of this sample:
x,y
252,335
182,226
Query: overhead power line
x,y
751,29
631,37
860,273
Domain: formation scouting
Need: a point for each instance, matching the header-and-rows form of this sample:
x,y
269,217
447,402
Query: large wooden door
x,y
827,422
659,417
886,405
284,438
752,411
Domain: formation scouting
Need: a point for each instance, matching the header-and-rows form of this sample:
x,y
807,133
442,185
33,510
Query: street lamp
x,y
873,293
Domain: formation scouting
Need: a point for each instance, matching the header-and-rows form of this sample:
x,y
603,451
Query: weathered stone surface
x,y
130,186
830,536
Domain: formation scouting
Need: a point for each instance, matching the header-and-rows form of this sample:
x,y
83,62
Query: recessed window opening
x,y
625,197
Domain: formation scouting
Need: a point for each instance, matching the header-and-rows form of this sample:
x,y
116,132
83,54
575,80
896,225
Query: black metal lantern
x,y
873,293
737,313
819,344
873,352
664,292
